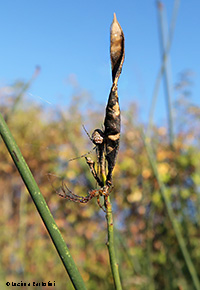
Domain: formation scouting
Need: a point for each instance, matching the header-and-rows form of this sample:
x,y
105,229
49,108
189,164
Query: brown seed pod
x,y
106,141
112,119
116,48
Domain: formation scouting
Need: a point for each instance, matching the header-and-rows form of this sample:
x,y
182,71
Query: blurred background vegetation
x,y
147,248
148,252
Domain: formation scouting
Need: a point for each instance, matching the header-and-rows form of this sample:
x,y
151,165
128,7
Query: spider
x,y
68,194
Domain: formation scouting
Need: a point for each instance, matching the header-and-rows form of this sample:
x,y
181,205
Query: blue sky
x,y
72,38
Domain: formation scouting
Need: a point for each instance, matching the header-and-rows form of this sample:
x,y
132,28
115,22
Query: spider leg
x,y
99,204
68,194
87,132
75,158
106,200
91,164
105,191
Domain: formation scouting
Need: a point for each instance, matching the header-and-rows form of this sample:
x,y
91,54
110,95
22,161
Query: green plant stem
x,y
175,224
167,71
41,206
111,248
165,56
110,228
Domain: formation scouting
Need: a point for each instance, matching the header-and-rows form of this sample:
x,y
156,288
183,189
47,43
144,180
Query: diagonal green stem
x,y
175,224
41,206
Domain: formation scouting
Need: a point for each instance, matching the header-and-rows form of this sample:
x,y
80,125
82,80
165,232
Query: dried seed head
x,y
116,47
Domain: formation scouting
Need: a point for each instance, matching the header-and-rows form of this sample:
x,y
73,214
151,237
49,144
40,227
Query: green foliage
x,y
148,252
